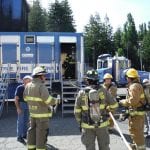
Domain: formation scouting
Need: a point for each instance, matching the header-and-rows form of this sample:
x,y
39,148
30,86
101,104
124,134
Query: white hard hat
x,y
27,77
39,71
145,81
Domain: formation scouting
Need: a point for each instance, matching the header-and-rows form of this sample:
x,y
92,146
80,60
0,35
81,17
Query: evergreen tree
x,y
149,25
60,18
145,51
118,42
142,31
98,39
37,17
108,36
130,41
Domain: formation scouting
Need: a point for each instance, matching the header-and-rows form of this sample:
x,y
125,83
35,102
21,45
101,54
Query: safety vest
x,y
38,99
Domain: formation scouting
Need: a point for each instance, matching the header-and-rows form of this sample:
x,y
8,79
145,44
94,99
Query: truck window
x,y
102,64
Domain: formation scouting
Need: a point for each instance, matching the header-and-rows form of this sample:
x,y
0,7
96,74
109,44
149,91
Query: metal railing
x,y
4,81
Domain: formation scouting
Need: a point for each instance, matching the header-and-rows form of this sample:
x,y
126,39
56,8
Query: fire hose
x,y
119,130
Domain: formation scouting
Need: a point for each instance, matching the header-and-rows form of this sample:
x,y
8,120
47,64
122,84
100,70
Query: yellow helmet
x,y
132,73
107,76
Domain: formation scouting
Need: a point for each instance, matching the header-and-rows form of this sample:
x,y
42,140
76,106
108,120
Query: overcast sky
x,y
116,10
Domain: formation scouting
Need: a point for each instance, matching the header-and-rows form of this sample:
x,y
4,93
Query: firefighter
x,y
146,86
91,112
112,89
134,102
69,66
39,101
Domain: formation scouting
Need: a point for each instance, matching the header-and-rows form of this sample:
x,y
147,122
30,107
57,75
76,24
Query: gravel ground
x,y
63,135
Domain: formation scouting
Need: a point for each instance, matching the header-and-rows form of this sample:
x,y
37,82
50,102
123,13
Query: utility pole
x,y
140,54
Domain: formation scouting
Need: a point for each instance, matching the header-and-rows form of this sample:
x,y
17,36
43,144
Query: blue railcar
x,y
22,51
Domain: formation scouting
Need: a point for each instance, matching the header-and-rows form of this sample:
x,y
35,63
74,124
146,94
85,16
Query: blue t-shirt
x,y
19,92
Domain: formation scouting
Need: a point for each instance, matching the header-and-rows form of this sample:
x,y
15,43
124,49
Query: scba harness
x,y
94,115
147,97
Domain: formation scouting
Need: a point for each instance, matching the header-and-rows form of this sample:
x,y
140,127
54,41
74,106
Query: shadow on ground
x,y
128,138
59,126
51,147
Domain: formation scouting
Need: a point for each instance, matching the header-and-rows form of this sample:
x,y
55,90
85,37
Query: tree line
x,y
99,37
58,18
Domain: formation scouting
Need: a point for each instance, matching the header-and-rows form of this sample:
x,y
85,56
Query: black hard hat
x,y
92,75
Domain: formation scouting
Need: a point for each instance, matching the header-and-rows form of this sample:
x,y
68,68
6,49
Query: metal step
x,y
4,81
70,87
68,111
68,99
69,93
69,105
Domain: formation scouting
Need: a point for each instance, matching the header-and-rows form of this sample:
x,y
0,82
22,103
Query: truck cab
x,y
114,65
117,66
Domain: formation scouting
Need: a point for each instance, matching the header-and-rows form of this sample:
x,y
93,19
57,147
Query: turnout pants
x,y
37,133
89,136
136,129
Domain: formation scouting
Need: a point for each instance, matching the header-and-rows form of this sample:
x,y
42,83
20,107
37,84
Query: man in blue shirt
x,y
22,110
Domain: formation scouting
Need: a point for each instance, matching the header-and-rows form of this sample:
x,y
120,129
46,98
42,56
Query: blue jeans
x,y
22,121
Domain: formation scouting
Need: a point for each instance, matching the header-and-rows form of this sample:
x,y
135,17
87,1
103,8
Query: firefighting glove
x,y
58,99
109,109
57,103
124,115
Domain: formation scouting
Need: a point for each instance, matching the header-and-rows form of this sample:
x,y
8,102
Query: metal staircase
x,y
4,80
69,93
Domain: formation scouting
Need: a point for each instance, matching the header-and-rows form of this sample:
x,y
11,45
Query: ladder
x,y
69,93
4,81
